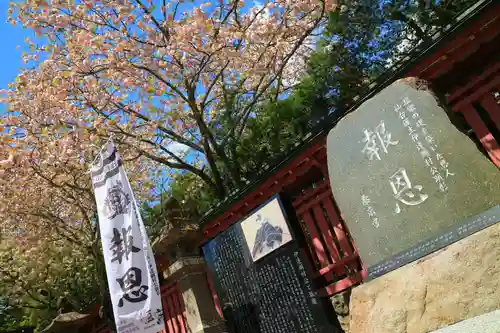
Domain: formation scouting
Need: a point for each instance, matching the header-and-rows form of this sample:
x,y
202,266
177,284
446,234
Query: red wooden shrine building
x,y
463,63
465,66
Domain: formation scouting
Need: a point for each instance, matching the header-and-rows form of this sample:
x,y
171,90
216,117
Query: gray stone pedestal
x,y
190,274
487,323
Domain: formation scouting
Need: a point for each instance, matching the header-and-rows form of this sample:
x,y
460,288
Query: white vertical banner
x,y
130,265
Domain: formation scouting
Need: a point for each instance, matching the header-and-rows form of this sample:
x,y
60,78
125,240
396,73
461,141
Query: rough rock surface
x,y
459,282
340,304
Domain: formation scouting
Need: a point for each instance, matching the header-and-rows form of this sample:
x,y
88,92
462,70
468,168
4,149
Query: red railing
x,y
479,103
334,254
213,292
335,260
174,309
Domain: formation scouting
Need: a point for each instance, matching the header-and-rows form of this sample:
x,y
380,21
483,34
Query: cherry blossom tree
x,y
49,248
156,75
40,278
50,243
159,77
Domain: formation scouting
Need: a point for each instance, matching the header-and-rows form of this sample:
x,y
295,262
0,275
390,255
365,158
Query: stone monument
x,y
406,180
422,204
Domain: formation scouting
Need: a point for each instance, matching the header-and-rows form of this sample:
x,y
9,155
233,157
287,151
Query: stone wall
x,y
459,282
201,314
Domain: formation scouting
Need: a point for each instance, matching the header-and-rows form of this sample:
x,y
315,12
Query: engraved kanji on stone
x,y
411,108
444,165
430,139
371,212
420,123
381,138
404,192
438,178
423,150
365,200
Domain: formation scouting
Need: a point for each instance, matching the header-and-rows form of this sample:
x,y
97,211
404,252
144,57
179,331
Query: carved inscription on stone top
x,y
402,173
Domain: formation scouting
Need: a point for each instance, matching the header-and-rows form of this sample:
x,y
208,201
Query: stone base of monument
x,y
487,323
201,315
441,292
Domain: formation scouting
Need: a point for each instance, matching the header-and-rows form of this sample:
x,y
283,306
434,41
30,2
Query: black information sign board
x,y
270,294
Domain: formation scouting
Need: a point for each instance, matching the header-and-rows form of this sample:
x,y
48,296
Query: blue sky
x,y
10,57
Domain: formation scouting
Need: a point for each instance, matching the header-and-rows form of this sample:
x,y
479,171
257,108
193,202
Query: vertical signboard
x,y
130,265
